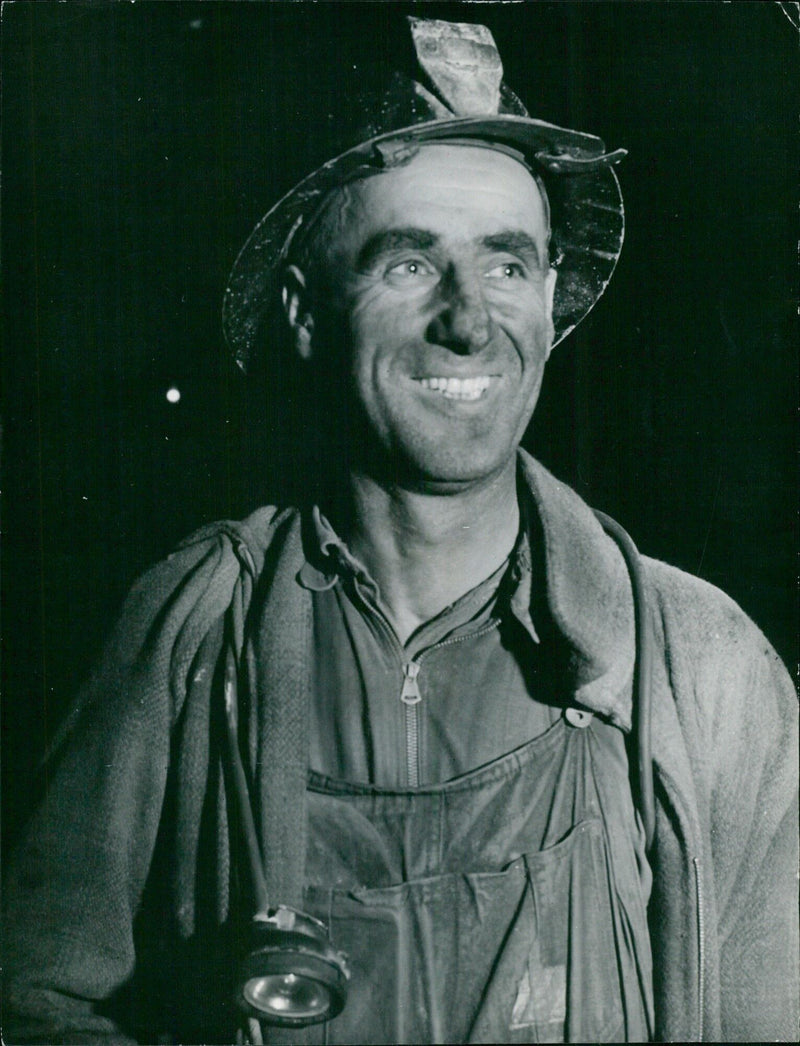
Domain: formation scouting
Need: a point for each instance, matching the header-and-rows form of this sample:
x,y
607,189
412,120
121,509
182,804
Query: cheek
x,y
377,304
523,303
529,328
381,324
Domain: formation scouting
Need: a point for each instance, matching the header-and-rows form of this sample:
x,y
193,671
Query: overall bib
x,y
505,905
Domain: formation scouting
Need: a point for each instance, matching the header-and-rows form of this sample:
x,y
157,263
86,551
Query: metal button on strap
x,y
577,717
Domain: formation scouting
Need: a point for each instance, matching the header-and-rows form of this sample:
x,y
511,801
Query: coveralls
x,y
476,852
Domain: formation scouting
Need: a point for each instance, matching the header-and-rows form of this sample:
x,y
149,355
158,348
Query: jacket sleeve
x,y
737,710
754,836
76,881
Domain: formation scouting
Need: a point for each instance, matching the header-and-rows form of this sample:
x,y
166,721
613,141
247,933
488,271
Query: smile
x,y
457,388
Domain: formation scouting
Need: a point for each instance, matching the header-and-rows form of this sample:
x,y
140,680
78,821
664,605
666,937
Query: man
x,y
411,710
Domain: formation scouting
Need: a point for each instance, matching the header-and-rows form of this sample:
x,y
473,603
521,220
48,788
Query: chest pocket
x,y
559,978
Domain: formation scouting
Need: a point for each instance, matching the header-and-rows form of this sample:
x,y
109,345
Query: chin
x,y
450,476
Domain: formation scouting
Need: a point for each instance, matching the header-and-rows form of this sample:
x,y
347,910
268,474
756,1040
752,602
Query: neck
x,y
425,550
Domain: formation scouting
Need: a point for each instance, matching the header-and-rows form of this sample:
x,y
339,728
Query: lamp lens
x,y
287,995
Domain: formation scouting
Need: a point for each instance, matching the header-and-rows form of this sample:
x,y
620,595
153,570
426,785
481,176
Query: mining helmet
x,y
454,93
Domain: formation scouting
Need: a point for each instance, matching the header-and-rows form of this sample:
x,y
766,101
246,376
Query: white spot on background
x,y
173,395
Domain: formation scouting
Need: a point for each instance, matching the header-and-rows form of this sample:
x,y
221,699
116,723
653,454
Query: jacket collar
x,y
589,595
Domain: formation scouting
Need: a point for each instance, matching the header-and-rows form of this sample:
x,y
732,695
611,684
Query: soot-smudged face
x,y
437,288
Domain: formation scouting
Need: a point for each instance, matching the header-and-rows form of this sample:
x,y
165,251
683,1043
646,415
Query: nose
x,y
462,322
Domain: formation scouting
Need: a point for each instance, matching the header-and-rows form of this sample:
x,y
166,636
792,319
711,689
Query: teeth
x,y
457,388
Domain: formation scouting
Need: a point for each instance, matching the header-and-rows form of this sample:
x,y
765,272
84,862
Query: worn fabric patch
x,y
541,996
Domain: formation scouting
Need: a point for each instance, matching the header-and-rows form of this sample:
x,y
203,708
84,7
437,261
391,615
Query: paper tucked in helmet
x,y
455,91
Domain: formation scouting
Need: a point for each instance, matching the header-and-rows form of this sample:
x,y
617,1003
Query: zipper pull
x,y
410,694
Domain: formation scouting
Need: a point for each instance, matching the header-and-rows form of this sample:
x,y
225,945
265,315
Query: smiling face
x,y
435,282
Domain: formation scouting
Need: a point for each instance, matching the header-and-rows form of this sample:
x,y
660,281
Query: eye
x,y
410,269
507,271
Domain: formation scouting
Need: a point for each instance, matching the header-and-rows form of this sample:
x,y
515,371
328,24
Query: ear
x,y
549,292
296,306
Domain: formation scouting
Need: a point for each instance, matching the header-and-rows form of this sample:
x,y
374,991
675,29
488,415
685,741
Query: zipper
x,y
410,694
411,697
701,945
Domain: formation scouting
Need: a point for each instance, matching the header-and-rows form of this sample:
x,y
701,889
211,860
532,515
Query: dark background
x,y
140,144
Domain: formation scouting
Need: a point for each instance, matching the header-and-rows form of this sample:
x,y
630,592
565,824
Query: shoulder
x,y
250,537
724,674
176,600
174,606
219,547
701,618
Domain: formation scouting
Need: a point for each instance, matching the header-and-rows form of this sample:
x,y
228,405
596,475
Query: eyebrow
x,y
513,241
394,240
